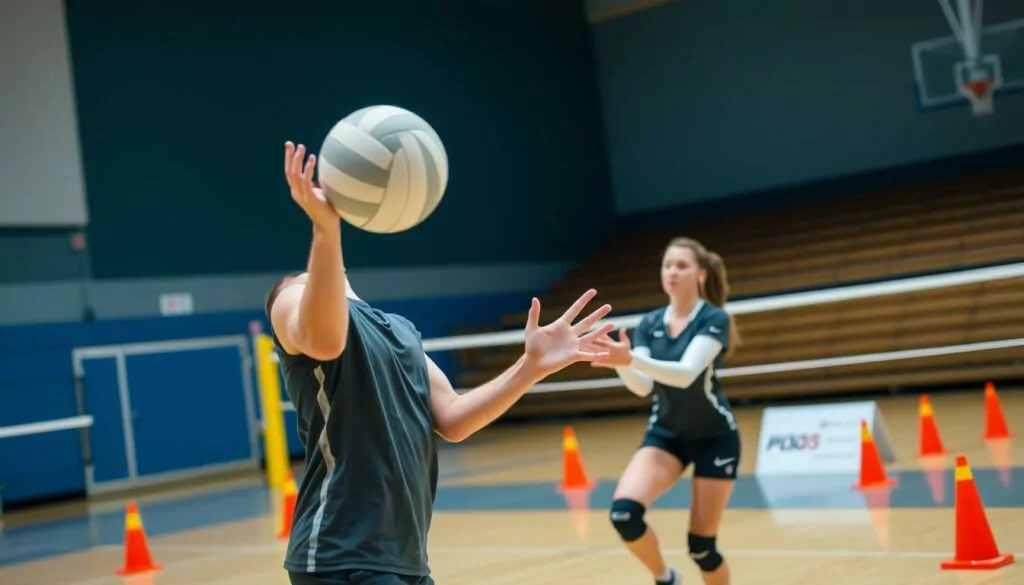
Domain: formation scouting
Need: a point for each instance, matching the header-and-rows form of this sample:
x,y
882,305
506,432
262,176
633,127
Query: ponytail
x,y
716,291
715,288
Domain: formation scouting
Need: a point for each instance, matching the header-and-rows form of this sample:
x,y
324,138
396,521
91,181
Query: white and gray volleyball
x,y
383,168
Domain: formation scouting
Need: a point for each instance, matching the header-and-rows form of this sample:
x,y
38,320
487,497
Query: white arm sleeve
x,y
636,382
699,356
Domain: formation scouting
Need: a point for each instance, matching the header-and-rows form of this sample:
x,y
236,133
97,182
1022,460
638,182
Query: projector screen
x,y
41,181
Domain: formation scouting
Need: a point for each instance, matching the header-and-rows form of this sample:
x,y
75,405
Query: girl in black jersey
x,y
676,351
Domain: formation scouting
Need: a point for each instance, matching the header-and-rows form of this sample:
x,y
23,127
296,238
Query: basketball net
x,y
979,92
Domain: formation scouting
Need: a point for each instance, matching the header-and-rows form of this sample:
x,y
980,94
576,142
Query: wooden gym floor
x,y
500,521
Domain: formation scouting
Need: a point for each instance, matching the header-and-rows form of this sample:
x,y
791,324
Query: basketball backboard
x,y
973,65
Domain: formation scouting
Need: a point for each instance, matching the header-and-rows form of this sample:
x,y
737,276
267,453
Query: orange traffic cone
x,y
872,471
975,546
929,439
995,422
574,476
136,550
290,495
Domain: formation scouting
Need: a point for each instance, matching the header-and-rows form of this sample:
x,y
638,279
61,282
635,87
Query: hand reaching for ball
x,y
561,343
309,197
619,353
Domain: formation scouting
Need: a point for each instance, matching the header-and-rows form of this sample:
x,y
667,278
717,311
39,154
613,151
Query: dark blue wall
x,y
184,108
706,99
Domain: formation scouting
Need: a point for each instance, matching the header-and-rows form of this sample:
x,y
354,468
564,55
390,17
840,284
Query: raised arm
x,y
311,316
638,370
456,416
548,349
700,354
637,383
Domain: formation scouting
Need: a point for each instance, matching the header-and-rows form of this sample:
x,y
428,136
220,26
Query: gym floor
x,y
500,520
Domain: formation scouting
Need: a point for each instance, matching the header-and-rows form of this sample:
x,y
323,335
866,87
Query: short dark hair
x,y
275,291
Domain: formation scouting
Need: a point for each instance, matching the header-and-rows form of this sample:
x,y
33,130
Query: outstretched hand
x,y
559,344
619,352
309,197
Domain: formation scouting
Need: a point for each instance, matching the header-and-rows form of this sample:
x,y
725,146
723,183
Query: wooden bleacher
x,y
930,228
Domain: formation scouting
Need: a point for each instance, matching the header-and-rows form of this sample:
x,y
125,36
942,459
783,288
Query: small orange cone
x,y
975,546
290,495
995,422
574,476
929,439
136,550
872,471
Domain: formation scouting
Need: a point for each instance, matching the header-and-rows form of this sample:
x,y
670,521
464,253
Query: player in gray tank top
x,y
370,403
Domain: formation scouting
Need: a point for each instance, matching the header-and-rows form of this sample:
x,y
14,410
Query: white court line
x,y
219,549
617,551
216,552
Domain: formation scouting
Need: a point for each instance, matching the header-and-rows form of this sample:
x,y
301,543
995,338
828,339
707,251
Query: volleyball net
x,y
973,313
969,318
784,302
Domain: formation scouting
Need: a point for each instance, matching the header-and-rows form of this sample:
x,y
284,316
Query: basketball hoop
x,y
978,81
979,92
974,54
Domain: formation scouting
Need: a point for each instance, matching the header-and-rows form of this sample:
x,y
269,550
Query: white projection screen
x,y
41,182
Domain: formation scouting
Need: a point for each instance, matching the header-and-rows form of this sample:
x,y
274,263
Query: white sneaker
x,y
674,578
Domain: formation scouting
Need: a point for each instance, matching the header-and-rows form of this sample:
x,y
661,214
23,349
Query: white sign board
x,y
176,304
819,438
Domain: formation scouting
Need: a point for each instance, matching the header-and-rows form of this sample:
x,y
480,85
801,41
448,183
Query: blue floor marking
x,y
817,492
21,544
107,528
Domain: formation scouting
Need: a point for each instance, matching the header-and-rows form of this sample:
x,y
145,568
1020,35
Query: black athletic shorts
x,y
713,457
356,577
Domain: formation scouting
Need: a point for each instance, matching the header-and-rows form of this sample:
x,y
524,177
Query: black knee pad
x,y
627,517
703,552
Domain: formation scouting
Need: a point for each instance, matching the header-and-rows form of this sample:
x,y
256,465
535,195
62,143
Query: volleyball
x,y
383,168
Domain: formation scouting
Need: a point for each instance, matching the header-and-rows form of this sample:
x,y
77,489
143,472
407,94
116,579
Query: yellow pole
x,y
274,444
